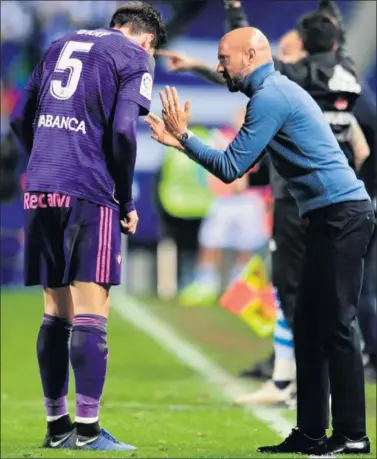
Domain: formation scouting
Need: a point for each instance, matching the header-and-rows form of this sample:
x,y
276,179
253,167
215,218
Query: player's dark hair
x,y
319,32
141,17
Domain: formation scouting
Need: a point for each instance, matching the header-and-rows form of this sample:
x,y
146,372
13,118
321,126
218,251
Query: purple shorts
x,y
69,239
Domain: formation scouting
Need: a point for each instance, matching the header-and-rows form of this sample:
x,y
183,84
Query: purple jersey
x,y
79,81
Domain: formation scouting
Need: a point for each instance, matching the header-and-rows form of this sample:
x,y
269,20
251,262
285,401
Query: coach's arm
x,y
266,114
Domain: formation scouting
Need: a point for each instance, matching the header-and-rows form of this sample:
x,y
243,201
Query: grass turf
x,y
151,400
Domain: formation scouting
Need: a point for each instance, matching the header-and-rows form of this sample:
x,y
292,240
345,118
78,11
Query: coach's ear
x,y
251,55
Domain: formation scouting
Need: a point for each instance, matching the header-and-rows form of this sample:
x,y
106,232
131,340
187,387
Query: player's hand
x,y
232,4
177,62
175,118
160,133
129,223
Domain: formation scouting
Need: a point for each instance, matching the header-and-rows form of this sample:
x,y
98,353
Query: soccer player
x,y
77,120
284,121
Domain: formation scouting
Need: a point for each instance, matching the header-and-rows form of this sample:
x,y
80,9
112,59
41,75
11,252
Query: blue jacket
x,y
284,121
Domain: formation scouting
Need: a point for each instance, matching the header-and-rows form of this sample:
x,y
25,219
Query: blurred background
x,y
161,257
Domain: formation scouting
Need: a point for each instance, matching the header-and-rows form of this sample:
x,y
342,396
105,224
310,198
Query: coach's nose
x,y
220,68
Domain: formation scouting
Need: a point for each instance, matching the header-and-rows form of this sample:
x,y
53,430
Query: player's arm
x,y
208,73
124,151
360,146
23,114
133,100
178,62
235,16
266,114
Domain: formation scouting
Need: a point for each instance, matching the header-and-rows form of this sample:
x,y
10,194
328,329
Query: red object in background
x,y
237,297
9,98
341,104
219,188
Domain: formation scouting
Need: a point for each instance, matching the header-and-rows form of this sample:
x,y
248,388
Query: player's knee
x,y
58,302
91,298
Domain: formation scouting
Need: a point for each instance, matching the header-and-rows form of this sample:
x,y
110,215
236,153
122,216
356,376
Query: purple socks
x,y
89,362
53,359
88,353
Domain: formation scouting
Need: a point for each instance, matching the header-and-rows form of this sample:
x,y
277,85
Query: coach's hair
x,y
319,32
141,17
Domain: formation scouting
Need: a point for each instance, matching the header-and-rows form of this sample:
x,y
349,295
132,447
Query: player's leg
x,y
281,388
286,266
287,250
263,369
44,265
287,263
89,352
53,360
288,254
94,265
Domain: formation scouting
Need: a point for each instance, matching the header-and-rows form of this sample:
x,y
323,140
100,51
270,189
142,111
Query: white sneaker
x,y
268,394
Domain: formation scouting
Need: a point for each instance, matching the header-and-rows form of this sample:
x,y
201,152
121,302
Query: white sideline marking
x,y
143,319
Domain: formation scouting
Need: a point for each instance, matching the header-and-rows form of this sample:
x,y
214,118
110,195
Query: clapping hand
x,y
175,119
160,133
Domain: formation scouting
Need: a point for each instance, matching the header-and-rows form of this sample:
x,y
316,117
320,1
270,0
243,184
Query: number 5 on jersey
x,y
72,65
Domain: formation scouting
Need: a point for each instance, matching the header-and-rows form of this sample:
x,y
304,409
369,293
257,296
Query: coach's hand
x,y
177,62
160,133
175,118
129,223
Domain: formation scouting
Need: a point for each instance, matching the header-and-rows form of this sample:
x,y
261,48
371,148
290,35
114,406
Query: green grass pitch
x,y
151,399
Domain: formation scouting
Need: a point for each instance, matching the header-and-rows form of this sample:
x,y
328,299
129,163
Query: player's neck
x,y
134,38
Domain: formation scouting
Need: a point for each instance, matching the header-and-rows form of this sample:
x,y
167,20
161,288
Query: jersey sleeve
x,y
137,86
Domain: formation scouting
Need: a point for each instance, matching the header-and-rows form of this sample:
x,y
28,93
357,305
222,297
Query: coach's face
x,y
233,64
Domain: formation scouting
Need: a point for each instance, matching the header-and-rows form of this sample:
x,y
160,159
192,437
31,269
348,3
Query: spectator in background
x,y
183,199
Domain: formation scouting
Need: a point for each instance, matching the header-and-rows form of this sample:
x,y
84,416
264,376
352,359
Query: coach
x,y
284,120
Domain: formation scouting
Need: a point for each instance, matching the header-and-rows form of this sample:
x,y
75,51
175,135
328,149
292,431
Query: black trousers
x,y
367,307
327,342
288,255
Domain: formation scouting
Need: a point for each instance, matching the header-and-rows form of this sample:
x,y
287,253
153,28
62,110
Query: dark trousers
x,y
327,342
288,254
367,308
